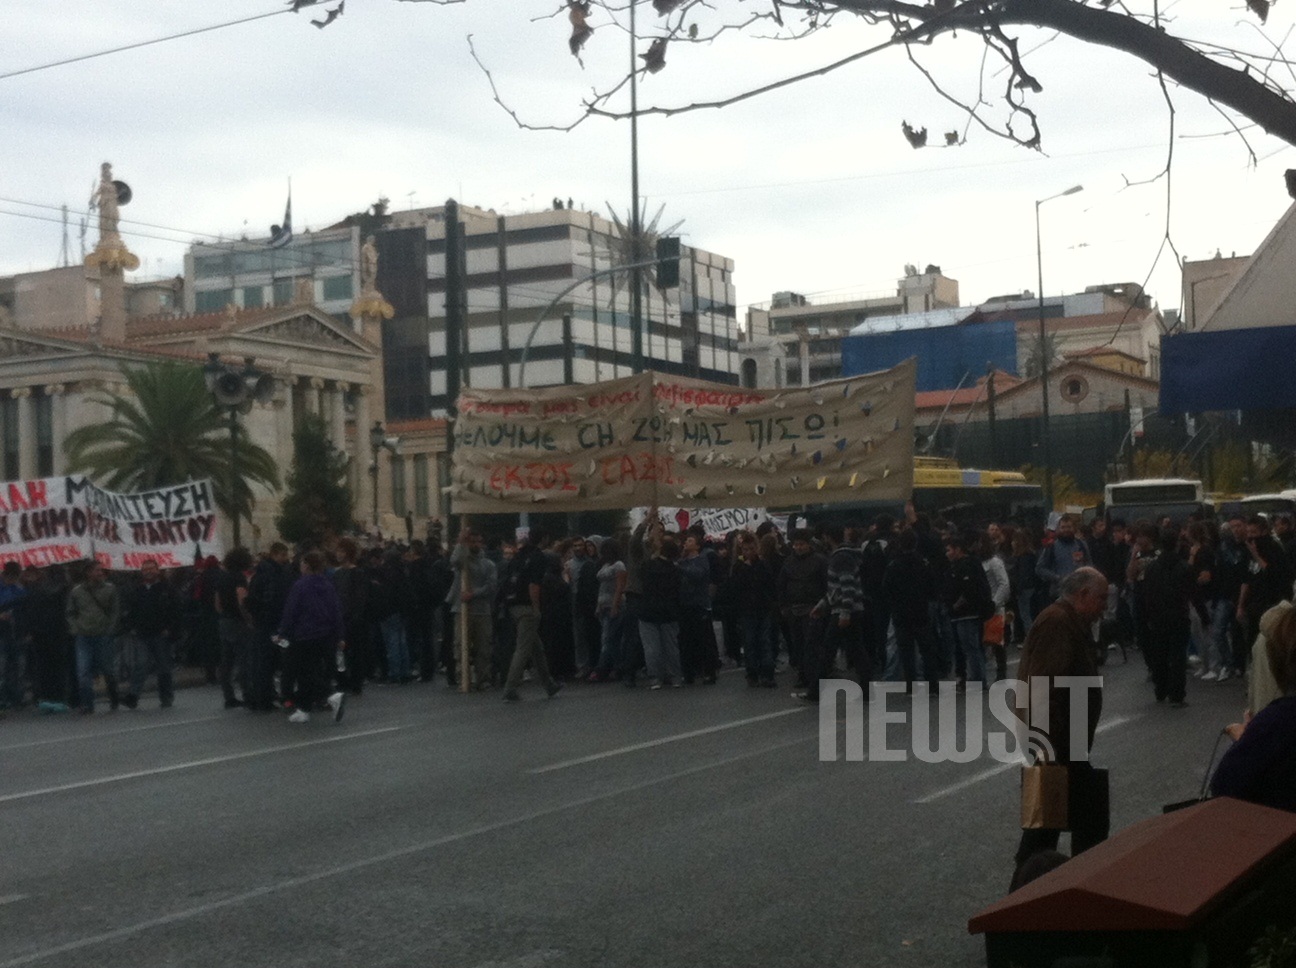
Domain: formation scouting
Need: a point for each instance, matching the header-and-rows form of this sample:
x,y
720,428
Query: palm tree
x,y
166,431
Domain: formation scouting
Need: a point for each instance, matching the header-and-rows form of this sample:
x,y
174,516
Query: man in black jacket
x,y
1268,581
907,590
970,603
801,583
267,595
1167,595
151,617
522,586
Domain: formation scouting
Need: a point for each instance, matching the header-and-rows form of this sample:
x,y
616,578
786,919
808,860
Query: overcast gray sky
x,y
812,188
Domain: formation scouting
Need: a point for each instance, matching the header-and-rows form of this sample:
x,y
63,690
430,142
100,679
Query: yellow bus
x,y
963,496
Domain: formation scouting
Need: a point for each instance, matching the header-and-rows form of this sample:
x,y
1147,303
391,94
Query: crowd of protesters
x,y
905,600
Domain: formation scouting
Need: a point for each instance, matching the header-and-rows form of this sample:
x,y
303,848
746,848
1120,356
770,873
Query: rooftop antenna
x,y
410,196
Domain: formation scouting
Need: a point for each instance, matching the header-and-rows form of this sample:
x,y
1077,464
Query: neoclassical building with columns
x,y
55,381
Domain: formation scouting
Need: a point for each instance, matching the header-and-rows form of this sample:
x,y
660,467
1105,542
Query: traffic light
x,y
668,260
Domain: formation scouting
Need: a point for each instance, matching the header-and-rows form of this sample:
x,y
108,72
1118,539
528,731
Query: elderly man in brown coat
x,y
1061,643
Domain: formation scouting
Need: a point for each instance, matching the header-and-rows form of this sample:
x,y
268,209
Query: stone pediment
x,y
306,327
16,345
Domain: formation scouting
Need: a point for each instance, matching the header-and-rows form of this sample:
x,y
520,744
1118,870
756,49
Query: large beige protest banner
x,y
653,440
55,520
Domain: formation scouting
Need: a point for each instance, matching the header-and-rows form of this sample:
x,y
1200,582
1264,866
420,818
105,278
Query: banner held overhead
x,y
56,520
652,440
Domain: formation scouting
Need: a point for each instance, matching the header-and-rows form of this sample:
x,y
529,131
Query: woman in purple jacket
x,y
312,625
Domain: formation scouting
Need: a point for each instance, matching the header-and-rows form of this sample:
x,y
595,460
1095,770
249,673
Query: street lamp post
x,y
1043,337
636,229
236,388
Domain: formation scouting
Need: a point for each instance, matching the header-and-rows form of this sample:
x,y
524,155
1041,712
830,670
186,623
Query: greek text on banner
x,y
652,440
55,520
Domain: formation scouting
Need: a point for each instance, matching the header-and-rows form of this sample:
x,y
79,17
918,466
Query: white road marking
x,y
12,898
112,732
120,934
976,778
678,737
192,764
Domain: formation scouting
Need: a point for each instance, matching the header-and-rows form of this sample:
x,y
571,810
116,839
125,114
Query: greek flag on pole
x,y
281,235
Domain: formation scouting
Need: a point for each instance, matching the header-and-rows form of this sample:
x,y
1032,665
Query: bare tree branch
x,y
490,78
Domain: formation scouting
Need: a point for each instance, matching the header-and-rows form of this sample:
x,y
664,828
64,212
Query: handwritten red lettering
x,y
674,394
639,467
503,408
534,476
552,407
598,400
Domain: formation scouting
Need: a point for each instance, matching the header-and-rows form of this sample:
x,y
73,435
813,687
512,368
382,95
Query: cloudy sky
x,y
811,188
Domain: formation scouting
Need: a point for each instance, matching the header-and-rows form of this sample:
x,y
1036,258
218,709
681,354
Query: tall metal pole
x,y
1046,357
233,429
1044,366
636,280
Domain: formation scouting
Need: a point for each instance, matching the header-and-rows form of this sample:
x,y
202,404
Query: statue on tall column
x,y
369,266
370,306
106,201
110,251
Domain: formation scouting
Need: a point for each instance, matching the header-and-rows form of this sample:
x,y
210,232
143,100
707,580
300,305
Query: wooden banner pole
x,y
465,586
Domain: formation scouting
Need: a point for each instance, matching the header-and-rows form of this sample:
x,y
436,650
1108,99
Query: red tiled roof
x,y
966,396
933,399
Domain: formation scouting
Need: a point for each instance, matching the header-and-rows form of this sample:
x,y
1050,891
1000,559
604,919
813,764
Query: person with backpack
x,y
970,603
523,584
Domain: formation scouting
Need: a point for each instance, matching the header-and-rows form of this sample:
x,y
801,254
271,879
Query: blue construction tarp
x,y
1233,369
945,354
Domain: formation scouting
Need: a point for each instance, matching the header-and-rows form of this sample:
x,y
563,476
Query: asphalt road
x,y
606,827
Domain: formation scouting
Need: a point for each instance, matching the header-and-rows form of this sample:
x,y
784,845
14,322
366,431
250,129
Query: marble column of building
x,y
285,418
363,457
315,397
338,415
57,393
26,432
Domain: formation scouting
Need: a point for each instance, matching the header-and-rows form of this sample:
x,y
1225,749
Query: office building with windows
x,y
516,265
250,274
